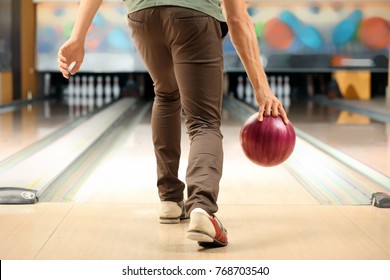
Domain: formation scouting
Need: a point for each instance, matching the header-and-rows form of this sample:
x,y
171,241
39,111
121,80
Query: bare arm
x,y
86,12
243,36
73,49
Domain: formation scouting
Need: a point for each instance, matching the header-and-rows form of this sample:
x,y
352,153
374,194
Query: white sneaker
x,y
207,230
171,212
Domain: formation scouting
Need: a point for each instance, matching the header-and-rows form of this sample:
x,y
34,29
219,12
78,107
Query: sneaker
x,y
171,212
207,230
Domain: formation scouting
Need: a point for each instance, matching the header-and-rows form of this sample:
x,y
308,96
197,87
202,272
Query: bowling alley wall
x,y
296,35
308,37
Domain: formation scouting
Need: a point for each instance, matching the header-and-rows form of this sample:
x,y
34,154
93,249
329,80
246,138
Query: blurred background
x,y
319,45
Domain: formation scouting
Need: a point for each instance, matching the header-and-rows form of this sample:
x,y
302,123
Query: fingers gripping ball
x,y
267,143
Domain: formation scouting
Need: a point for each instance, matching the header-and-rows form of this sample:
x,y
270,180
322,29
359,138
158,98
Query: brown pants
x,y
182,50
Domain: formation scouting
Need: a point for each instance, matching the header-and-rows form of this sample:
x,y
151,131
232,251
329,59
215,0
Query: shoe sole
x,y
204,239
199,236
172,220
169,220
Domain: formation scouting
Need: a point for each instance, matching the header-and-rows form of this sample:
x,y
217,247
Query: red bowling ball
x,y
267,143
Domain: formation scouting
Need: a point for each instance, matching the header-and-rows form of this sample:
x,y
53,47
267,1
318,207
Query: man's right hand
x,y
71,52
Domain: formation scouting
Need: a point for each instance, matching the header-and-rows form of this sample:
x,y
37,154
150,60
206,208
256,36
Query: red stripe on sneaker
x,y
220,236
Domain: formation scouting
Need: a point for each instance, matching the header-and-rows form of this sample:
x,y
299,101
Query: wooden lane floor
x,y
38,170
24,126
116,231
127,174
359,129
113,214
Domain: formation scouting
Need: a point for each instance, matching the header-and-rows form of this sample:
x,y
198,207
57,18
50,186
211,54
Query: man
x,y
180,42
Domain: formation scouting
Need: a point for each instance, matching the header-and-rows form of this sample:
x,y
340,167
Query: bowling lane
x,y
125,173
22,127
271,213
39,170
357,135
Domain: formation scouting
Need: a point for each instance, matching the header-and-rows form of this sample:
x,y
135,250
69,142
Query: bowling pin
x,y
77,87
240,88
46,85
77,94
91,87
248,91
116,89
107,89
287,94
279,88
99,92
84,91
273,84
84,95
70,91
91,93
286,87
286,101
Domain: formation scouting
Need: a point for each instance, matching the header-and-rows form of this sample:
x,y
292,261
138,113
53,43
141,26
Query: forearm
x,y
247,49
243,36
85,15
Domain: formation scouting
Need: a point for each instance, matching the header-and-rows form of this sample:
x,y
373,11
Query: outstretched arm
x,y
72,51
243,36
